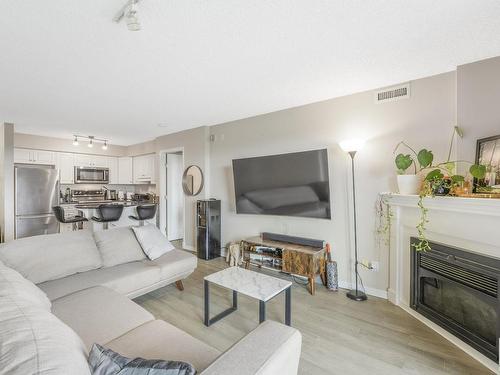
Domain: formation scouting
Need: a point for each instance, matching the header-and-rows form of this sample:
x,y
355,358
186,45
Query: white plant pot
x,y
409,184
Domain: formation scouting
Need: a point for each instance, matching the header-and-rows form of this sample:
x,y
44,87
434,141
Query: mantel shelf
x,y
478,206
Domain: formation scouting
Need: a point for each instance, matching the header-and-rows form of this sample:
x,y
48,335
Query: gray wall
x,y
7,181
478,103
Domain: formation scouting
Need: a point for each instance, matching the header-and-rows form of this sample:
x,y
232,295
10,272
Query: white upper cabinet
x,y
144,168
125,174
112,164
83,160
22,155
66,164
100,161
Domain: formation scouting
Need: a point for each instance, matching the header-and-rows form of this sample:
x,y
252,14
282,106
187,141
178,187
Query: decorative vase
x,y
408,184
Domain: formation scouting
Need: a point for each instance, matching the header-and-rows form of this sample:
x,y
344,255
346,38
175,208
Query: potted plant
x,y
409,183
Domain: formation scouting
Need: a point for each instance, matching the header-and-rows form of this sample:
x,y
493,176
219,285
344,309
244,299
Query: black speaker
x,y
293,239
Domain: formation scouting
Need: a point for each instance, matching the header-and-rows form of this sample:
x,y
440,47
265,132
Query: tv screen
x,y
294,184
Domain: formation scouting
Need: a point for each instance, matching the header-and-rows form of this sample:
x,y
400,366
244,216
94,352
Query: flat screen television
x,y
294,184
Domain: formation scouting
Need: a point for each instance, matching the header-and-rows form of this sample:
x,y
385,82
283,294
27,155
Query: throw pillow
x,y
104,361
153,242
118,246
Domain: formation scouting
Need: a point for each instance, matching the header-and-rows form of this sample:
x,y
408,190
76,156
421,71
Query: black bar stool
x,y
76,221
144,212
108,213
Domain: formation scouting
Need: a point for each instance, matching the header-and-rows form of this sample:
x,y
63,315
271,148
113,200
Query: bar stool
x,y
144,212
76,221
108,213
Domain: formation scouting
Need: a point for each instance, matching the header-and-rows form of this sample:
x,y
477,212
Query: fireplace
x,y
459,291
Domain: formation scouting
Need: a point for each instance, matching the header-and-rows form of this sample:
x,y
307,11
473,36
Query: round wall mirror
x,y
192,180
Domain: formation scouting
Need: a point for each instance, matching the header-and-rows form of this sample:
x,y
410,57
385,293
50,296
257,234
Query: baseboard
x,y
370,291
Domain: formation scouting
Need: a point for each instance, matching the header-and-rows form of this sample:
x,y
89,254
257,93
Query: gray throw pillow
x,y
104,361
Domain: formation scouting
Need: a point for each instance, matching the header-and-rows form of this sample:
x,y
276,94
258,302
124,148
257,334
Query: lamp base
x,y
356,295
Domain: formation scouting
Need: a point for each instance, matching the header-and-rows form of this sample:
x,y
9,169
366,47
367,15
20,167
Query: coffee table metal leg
x,y
288,306
208,322
262,311
207,303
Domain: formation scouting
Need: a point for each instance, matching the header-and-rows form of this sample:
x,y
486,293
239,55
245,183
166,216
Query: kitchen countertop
x,y
94,205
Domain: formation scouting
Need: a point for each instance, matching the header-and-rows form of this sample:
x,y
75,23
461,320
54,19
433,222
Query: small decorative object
x,y
332,277
233,257
408,184
488,154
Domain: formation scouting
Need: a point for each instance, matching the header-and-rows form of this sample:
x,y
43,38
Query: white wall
x,y
424,120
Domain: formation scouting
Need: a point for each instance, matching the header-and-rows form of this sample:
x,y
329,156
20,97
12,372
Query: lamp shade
x,y
350,145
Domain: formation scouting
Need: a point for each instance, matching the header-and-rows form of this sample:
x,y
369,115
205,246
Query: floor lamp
x,y
351,147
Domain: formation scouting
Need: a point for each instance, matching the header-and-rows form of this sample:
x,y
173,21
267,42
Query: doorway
x,y
172,196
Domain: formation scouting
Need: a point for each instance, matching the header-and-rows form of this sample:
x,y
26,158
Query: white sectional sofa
x,y
84,282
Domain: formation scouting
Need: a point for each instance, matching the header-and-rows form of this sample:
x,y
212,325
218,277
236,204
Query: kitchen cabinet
x,y
66,164
144,168
125,170
22,155
112,164
82,160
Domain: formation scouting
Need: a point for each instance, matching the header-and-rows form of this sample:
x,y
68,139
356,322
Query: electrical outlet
x,y
375,266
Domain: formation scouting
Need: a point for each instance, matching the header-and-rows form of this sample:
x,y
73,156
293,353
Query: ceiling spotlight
x,y
91,141
75,141
105,145
129,12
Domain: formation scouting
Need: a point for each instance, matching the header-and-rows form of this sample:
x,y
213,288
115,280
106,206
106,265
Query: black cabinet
x,y
208,228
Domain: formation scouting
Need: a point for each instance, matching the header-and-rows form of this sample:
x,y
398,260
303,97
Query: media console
x,y
301,260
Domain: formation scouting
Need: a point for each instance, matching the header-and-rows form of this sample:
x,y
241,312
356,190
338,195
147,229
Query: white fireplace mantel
x,y
472,224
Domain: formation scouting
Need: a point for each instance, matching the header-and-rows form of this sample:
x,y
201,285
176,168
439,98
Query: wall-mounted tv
x,y
294,184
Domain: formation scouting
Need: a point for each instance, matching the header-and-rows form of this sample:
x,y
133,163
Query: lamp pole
x,y
355,294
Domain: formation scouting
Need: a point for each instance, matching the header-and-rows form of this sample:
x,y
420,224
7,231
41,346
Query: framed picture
x,y
488,154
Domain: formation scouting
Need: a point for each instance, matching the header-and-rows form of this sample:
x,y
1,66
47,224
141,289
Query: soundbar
x,y
293,240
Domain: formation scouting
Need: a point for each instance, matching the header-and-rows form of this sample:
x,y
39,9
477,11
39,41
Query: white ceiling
x,y
66,68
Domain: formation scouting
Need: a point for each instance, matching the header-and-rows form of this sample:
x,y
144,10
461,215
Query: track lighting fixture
x,y
129,13
91,139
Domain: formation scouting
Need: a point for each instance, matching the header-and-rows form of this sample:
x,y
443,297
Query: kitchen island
x,y
89,209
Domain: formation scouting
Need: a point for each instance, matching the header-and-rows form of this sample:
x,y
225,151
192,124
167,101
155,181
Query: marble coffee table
x,y
253,284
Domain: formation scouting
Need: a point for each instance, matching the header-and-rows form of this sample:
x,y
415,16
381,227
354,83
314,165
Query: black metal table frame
x,y
262,307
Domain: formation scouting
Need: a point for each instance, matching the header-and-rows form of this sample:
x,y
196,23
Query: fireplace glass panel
x,y
461,305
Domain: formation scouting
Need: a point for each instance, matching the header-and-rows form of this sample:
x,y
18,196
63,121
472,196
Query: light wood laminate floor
x,y
339,336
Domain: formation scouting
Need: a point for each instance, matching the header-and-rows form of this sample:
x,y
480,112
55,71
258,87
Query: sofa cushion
x,y
161,340
152,241
174,263
107,362
118,246
14,285
52,256
122,278
34,341
99,314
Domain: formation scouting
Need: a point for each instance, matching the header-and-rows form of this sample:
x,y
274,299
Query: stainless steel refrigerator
x,y
36,192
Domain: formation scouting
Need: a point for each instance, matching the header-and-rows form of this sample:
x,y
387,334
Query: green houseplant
x,y
440,178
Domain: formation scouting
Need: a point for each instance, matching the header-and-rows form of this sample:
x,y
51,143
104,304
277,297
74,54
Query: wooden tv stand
x,y
295,259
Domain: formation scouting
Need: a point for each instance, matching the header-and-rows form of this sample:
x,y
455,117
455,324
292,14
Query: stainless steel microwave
x,y
91,175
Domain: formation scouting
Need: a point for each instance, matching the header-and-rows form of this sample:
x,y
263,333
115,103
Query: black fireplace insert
x,y
459,291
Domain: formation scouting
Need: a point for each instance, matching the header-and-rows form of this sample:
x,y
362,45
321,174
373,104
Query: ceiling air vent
x,y
391,94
